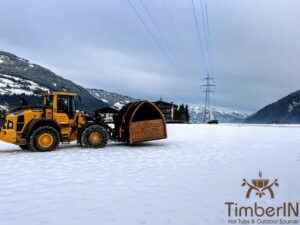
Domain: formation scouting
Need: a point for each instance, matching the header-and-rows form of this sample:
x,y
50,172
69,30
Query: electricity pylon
x,y
208,88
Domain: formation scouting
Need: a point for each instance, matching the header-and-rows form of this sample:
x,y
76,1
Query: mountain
x,y
284,111
112,99
20,77
196,115
196,112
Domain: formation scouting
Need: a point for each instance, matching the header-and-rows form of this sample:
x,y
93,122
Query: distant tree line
x,y
182,113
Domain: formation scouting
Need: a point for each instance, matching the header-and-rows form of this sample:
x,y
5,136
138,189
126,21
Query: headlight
x,y
10,125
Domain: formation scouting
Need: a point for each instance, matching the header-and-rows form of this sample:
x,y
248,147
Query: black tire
x,y
24,147
86,141
34,141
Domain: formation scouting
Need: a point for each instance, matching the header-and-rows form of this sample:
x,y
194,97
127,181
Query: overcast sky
x,y
255,46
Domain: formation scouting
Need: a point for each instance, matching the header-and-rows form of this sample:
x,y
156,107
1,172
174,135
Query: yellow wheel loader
x,y
44,128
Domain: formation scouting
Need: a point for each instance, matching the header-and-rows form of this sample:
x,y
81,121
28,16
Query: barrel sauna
x,y
140,121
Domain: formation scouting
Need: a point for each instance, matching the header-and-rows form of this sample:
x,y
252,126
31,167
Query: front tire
x,y
94,136
44,139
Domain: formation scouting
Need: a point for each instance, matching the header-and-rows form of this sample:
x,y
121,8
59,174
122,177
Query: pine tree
x,y
187,113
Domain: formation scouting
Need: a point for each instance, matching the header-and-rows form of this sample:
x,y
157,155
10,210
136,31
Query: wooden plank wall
x,y
147,130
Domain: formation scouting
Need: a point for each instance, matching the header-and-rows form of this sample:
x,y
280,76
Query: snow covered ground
x,y
183,180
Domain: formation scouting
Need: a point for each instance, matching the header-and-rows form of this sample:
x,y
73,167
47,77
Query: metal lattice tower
x,y
208,88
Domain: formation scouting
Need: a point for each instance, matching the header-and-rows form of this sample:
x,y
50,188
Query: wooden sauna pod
x,y
140,121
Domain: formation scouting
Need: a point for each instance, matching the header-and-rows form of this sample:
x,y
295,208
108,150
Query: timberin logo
x,y
260,186
250,212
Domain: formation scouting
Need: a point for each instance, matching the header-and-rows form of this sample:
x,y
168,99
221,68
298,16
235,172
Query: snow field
x,y
183,180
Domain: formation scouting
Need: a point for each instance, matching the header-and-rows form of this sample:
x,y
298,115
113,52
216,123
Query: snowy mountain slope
x,y
285,110
196,115
113,99
10,85
183,180
19,68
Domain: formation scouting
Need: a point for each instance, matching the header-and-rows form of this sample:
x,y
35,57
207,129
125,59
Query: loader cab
x,y
60,105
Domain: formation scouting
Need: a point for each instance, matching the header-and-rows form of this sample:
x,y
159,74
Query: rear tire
x,y
94,136
44,139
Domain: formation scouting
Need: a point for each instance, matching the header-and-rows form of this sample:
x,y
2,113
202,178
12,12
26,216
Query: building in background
x,y
167,109
107,114
173,113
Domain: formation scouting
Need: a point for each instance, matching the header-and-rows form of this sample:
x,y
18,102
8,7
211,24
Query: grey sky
x,y
102,44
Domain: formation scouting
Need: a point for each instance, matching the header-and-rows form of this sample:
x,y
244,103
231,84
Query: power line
x,y
177,32
208,85
204,26
152,35
199,36
209,44
154,23
208,32
163,37
157,28
206,35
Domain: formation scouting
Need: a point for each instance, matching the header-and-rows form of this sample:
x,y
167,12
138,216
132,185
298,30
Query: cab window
x,y
49,101
65,104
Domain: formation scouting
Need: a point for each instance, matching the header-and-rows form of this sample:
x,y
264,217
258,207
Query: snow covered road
x,y
183,180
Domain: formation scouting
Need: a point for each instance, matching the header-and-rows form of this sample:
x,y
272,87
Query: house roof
x,y
107,110
164,103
